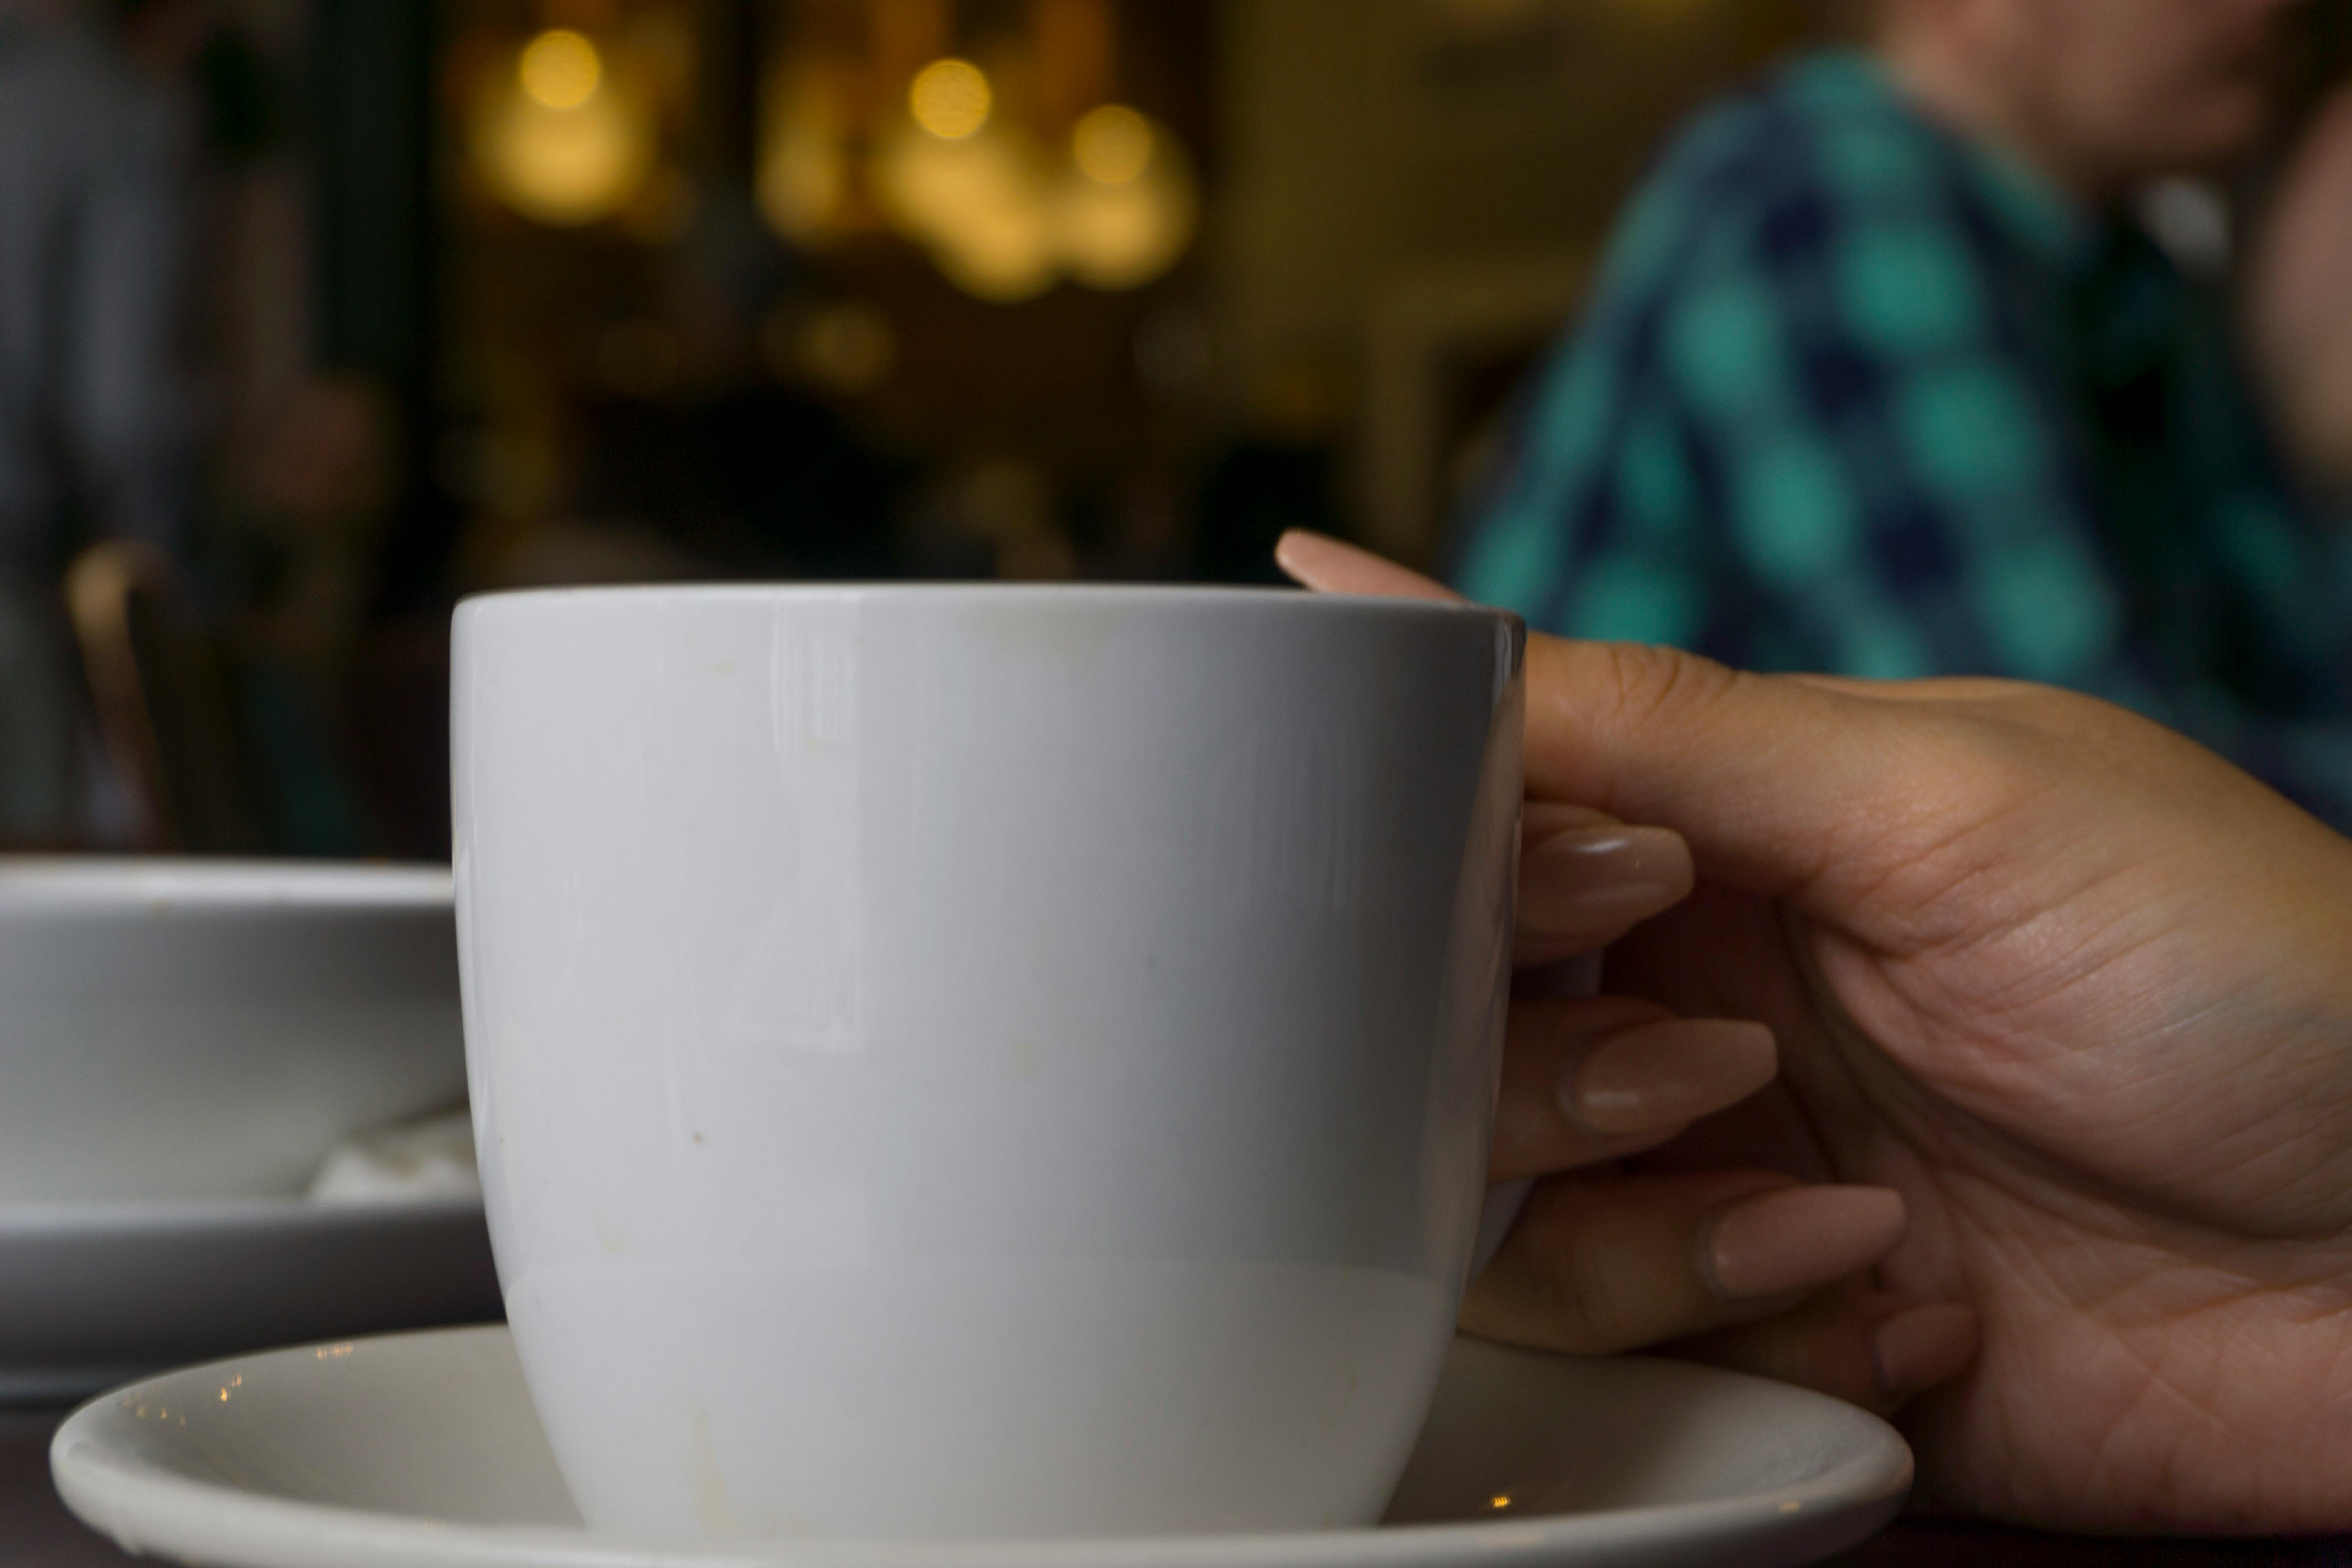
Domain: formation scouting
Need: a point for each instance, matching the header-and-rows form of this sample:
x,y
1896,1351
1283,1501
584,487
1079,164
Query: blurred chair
x,y
167,717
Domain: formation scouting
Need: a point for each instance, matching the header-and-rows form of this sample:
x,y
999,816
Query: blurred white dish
x,y
431,1158
423,1451
93,1293
177,1029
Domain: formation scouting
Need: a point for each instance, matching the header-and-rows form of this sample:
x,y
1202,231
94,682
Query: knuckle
x,y
1579,1293
1653,684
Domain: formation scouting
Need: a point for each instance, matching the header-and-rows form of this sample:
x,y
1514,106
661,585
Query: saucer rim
x,y
216,1522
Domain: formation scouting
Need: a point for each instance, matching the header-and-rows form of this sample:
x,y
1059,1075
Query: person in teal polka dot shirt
x,y
1875,380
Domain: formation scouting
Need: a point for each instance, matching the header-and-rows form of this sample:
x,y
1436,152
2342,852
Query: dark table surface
x,y
36,1529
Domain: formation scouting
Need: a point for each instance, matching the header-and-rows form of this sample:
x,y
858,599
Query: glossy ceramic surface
x,y
206,1029
422,1451
93,1293
956,1062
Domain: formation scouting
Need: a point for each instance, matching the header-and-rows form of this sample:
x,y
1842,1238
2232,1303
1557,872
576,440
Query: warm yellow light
x,y
1123,236
979,205
949,99
567,168
803,183
559,69
1503,1501
1112,144
566,165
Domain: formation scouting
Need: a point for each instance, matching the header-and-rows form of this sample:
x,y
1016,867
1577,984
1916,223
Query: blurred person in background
x,y
1878,378
94,147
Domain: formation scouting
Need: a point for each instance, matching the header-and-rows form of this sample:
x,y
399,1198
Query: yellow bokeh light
x,y
1123,236
1502,1501
980,204
559,69
1112,144
576,163
949,99
805,173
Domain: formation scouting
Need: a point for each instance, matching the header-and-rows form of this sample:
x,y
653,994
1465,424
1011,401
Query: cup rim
x,y
1057,595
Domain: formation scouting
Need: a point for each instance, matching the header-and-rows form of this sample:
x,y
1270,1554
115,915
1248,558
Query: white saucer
x,y
422,1451
93,1293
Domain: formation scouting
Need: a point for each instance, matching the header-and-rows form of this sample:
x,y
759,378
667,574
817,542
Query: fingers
x,y
1759,776
1327,566
1866,1347
1599,1079
1586,878
1756,776
1596,1266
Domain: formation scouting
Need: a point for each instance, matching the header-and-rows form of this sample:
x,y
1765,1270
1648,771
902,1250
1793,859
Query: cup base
x,y
981,1400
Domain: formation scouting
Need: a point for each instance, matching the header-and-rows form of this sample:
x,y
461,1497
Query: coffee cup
x,y
983,1062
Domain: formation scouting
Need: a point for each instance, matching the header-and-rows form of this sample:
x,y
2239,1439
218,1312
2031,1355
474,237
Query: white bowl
x,y
174,1029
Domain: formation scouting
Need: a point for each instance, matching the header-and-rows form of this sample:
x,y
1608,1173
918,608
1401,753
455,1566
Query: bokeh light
x,y
979,205
559,69
557,137
1112,144
949,99
805,173
1130,211
1004,215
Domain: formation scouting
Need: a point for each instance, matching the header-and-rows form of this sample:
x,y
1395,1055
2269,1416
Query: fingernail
x,y
1662,1075
1598,878
1915,1349
1302,554
1329,565
1798,1238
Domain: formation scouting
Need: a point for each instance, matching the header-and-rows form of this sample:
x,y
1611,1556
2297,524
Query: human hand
x,y
2299,299
2078,989
1606,1259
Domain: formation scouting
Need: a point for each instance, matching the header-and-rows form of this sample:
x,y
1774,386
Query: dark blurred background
x,y
484,293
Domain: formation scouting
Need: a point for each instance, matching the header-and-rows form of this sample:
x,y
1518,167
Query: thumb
x,y
1764,776
1772,781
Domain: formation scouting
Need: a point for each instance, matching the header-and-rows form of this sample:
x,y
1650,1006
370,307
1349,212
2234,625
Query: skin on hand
x,y
1604,1260
2077,989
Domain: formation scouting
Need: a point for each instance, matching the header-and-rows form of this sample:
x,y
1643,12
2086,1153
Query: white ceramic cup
x,y
982,1061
